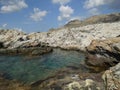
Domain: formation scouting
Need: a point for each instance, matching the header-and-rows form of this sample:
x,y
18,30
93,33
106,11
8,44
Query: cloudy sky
x,y
41,15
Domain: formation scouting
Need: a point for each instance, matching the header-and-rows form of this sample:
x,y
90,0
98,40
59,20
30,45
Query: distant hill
x,y
94,20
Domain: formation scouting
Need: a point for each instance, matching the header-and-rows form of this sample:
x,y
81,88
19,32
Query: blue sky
x,y
41,15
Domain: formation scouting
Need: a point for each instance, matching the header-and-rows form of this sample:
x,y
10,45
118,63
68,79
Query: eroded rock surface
x,y
67,38
95,19
112,78
103,53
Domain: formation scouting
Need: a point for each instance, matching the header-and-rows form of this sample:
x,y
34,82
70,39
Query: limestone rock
x,y
88,84
114,17
78,37
64,37
111,78
103,53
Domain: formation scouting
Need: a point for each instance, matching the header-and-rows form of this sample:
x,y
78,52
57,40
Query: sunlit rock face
x,y
79,37
108,18
112,78
103,53
65,37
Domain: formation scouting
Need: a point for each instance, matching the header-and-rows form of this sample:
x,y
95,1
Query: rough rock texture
x,y
95,19
12,85
71,81
103,53
88,84
74,36
67,38
112,78
77,38
32,51
16,42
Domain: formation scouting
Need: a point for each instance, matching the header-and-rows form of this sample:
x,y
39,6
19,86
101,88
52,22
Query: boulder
x,y
88,84
103,53
111,78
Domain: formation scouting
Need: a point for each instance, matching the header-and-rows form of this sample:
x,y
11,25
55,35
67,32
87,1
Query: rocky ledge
x,y
103,53
112,78
32,51
13,42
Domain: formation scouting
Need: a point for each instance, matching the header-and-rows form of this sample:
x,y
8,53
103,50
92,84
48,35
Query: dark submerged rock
x,y
33,51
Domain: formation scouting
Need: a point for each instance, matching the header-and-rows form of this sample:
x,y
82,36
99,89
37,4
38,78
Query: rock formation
x,y
98,35
104,53
14,42
114,17
112,78
67,37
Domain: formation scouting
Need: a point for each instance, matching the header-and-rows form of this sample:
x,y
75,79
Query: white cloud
x,y
76,17
114,4
93,6
12,5
38,14
65,12
93,3
61,1
94,11
4,25
19,29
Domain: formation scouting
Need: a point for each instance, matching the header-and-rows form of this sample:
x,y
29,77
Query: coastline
x,y
100,42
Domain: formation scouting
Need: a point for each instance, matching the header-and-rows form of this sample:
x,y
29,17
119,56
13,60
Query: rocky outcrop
x,y
77,38
109,18
71,81
111,78
88,84
67,38
103,53
12,85
32,51
16,42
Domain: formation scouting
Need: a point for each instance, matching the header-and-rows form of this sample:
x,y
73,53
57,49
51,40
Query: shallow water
x,y
31,69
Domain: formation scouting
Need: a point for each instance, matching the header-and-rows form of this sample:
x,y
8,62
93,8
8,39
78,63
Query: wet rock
x,y
12,85
99,63
33,51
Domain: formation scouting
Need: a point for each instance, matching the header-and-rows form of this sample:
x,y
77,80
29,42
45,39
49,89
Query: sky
x,y
42,15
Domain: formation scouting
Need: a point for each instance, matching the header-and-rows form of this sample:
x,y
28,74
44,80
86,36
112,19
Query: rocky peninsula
x,y
98,36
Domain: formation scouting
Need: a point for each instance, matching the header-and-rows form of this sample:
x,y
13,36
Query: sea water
x,y
30,69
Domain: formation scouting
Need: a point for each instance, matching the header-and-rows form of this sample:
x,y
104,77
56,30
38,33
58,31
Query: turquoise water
x,y
31,69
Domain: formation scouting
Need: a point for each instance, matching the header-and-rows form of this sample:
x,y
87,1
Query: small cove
x,y
30,69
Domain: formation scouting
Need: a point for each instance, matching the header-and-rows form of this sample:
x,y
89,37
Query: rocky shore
x,y
100,39
14,42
